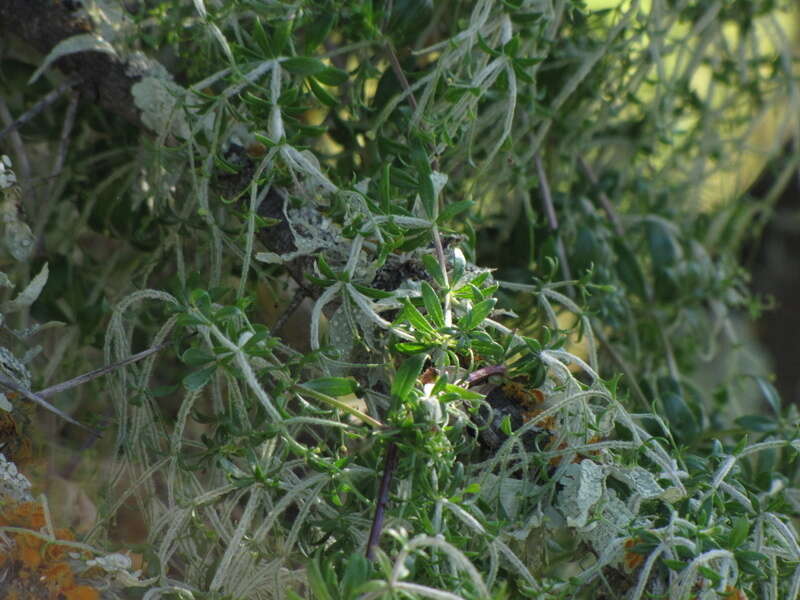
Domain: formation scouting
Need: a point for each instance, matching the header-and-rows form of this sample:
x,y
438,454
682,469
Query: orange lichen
x,y
38,567
81,592
548,422
57,577
632,559
430,375
28,551
29,515
732,593
526,398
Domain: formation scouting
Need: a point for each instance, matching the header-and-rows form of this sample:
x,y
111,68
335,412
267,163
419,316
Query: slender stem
x,y
401,76
552,220
607,206
383,500
334,402
86,377
39,106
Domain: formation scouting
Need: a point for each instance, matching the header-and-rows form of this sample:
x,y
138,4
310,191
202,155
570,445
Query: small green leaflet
x,y
406,376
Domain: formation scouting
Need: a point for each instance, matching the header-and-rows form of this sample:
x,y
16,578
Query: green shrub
x,y
492,224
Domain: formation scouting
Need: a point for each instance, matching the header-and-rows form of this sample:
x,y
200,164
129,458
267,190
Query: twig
x,y
552,220
401,76
383,500
476,377
40,106
39,397
607,206
86,377
66,130
10,384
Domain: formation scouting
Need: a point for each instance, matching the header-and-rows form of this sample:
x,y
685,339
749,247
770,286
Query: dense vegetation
x,y
443,299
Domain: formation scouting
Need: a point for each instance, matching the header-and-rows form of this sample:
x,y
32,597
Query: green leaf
x,y
682,422
198,379
750,555
321,93
319,587
434,268
324,268
477,314
403,179
373,292
505,425
406,376
188,319
459,265
283,29
426,189
473,488
412,347
303,65
332,76
485,47
663,248
356,573
770,393
415,318
432,305
739,532
195,357
260,37
31,292
526,18
757,423
453,209
319,27
628,269
333,386
710,574
462,392
511,47
163,390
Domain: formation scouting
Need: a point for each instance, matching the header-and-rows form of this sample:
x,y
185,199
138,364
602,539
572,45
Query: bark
x,y
42,24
